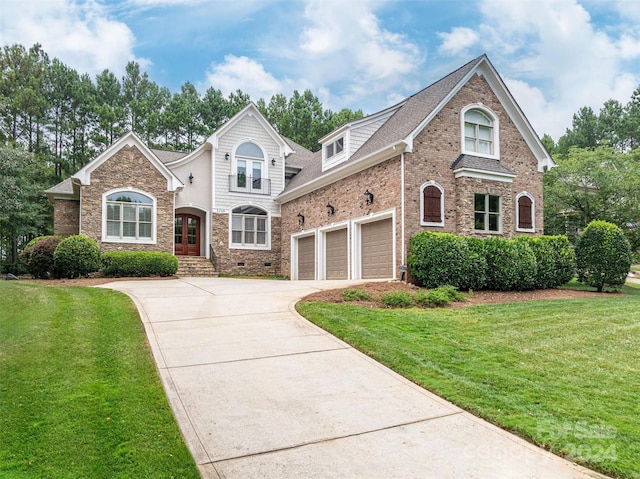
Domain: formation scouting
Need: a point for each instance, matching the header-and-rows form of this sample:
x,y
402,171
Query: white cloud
x,y
245,74
80,35
458,40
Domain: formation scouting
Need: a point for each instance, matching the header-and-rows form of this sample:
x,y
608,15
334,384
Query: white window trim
x,y
495,129
154,219
533,213
431,223
336,158
233,245
294,252
486,223
321,245
236,157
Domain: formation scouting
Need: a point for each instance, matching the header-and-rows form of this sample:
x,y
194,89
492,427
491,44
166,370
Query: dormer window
x,y
334,148
480,132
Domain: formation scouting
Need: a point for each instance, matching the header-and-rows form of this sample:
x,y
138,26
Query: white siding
x,y
247,129
361,133
198,193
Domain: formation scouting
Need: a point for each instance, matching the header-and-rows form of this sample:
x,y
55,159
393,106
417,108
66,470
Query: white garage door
x,y
377,249
307,257
336,258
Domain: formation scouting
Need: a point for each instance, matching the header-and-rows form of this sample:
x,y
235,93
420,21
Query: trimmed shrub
x,y
438,259
25,256
397,299
545,261
511,265
603,255
354,294
564,257
476,277
139,263
439,297
75,256
40,258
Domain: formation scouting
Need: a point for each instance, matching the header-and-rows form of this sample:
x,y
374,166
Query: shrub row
x,y
57,257
523,263
139,263
432,298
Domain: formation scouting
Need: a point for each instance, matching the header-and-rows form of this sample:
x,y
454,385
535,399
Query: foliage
x,y
139,263
437,259
397,299
564,258
511,265
536,368
438,297
25,256
80,394
75,256
40,259
603,255
546,260
354,294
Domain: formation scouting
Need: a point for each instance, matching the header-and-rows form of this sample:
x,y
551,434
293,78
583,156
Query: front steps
x,y
195,266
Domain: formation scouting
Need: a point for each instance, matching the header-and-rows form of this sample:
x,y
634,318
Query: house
x,y
458,157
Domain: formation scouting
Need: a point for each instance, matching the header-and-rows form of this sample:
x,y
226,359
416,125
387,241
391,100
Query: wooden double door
x,y
186,233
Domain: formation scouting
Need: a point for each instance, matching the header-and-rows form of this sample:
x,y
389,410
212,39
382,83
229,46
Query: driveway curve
x,y
260,392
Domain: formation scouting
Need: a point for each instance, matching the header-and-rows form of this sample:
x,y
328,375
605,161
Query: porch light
x,y
190,178
226,156
369,197
330,209
300,219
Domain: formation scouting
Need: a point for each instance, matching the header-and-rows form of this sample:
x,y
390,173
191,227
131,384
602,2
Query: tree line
x,y
63,118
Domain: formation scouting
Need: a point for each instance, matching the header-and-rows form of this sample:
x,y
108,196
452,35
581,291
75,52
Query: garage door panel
x,y
377,249
336,256
307,257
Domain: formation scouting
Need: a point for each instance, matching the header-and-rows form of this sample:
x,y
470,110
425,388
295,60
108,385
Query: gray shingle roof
x,y
63,188
166,156
399,126
479,163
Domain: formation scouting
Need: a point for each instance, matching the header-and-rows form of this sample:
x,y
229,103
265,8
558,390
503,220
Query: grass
x,y
79,393
562,374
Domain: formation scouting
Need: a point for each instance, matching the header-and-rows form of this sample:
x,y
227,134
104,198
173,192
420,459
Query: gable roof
x,y
412,115
168,156
63,190
83,176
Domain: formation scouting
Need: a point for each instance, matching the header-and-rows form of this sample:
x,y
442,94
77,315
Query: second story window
x,y
334,148
249,171
478,132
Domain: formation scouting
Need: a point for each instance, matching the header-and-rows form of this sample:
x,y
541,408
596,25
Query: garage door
x,y
377,249
337,266
307,258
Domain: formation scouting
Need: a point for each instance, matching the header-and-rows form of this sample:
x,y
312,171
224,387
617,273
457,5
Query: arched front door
x,y
187,235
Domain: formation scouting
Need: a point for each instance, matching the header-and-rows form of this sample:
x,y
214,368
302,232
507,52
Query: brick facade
x,y
66,217
244,261
128,168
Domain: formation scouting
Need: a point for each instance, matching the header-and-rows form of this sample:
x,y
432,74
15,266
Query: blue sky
x,y
554,55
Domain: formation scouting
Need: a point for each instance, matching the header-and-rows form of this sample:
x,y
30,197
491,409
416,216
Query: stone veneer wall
x,y
347,197
128,168
255,261
66,217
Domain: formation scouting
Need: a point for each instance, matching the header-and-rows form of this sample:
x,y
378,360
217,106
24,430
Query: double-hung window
x,y
487,212
129,217
249,227
478,133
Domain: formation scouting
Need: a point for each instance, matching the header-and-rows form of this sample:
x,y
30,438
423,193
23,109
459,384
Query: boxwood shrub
x,y
564,258
75,256
545,261
511,265
603,255
139,263
437,259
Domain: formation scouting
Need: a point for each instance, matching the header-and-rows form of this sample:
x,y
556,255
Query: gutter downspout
x,y
402,248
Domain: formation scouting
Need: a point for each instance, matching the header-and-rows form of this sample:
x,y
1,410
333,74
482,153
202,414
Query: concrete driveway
x,y
259,392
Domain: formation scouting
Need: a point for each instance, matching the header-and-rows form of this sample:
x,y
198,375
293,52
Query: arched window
x,y
432,204
480,131
129,217
249,169
525,212
249,227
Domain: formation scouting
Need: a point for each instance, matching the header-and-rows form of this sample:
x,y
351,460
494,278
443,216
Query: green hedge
x,y
603,255
139,263
468,263
75,256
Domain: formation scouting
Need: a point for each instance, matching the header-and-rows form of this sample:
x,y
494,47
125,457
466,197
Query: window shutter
x,y
432,204
525,220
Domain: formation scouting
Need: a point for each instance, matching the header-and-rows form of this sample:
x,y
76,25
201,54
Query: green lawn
x,y
563,374
79,393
